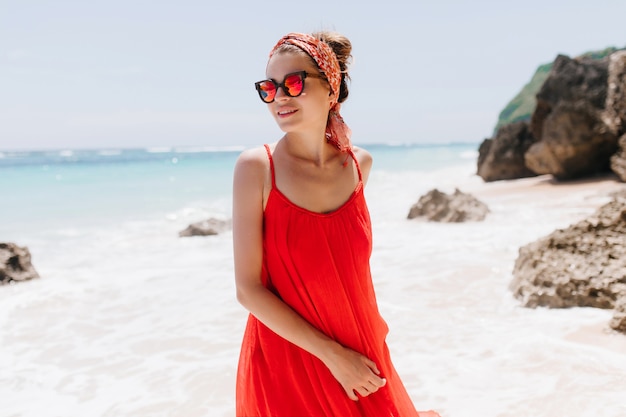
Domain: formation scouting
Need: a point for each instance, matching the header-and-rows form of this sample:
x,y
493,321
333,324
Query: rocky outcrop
x,y
573,140
522,106
582,265
615,113
618,161
207,227
502,158
437,206
570,80
15,264
618,322
576,111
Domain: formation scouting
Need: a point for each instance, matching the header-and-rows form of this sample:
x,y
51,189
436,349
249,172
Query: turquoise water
x,y
72,188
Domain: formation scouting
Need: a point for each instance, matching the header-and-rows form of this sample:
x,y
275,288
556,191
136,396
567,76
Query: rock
x,y
618,322
615,108
570,80
522,106
502,158
582,265
15,264
440,207
575,144
207,227
615,115
618,160
573,140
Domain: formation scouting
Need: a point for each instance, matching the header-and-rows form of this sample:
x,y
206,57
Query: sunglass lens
x,y
267,91
294,83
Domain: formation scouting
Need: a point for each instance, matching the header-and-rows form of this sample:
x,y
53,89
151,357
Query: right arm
x,y
352,370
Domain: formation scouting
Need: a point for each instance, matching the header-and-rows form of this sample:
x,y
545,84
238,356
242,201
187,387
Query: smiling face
x,y
307,112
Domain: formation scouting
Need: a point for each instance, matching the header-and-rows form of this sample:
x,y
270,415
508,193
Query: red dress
x,y
318,264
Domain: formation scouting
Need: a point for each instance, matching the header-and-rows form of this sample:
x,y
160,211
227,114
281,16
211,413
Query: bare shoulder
x,y
251,158
365,159
250,172
251,163
363,155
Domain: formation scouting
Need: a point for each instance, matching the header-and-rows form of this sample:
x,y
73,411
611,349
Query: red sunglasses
x,y
292,85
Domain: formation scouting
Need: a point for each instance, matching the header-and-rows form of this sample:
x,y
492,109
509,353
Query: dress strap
x,y
269,156
358,168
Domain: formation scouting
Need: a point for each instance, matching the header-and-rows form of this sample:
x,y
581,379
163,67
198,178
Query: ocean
x,y
128,319
64,189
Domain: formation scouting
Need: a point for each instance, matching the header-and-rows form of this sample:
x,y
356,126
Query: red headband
x,y
337,132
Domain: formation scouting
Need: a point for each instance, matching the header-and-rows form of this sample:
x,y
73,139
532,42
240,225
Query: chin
x,y
287,127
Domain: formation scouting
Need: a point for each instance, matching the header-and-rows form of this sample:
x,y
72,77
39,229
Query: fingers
x,y
369,388
350,393
372,365
363,392
358,375
374,379
372,382
373,386
366,389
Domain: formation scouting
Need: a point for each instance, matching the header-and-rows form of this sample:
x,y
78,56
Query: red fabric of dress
x,y
318,264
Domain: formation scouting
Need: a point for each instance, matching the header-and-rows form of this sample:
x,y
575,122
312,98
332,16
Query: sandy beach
x,y
122,124
138,322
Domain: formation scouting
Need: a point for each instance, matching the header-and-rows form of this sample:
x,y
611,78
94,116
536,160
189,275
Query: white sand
x,y
137,322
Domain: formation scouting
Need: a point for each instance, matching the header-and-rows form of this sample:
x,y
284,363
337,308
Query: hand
x,y
355,372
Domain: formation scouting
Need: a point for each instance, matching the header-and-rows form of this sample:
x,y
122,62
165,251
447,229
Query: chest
x,y
317,190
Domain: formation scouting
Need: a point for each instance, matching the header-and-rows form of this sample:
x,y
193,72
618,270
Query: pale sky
x,y
140,73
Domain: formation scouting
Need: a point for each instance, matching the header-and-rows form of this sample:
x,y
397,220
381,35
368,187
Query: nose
x,y
280,94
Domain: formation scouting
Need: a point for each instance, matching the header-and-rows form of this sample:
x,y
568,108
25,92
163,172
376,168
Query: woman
x,y
314,344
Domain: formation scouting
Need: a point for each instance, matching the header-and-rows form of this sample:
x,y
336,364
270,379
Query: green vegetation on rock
x,y
523,104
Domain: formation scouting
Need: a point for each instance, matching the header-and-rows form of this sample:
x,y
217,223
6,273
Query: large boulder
x,y
459,207
568,122
15,264
502,158
618,160
615,114
207,227
582,265
615,111
522,106
573,80
575,144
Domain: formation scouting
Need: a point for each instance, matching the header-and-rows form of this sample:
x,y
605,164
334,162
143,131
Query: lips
x,y
286,112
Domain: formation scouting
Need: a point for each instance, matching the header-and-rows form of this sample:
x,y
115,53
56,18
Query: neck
x,y
313,149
